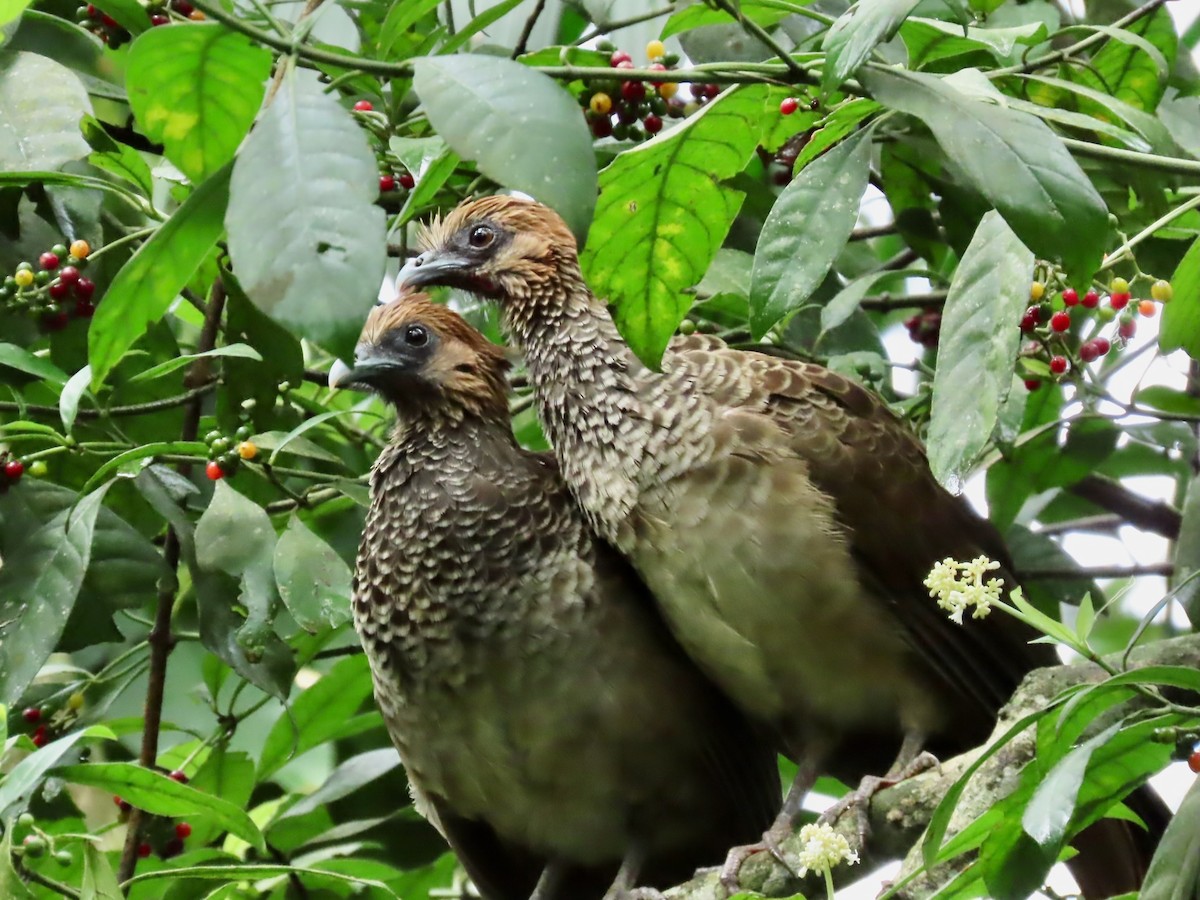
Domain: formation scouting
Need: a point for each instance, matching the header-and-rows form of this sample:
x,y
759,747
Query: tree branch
x,y
1148,515
898,815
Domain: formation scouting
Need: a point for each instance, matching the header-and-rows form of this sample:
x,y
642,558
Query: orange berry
x,y
80,249
1147,308
247,450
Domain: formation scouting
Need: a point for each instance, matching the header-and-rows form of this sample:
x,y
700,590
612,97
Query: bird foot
x,y
770,843
859,800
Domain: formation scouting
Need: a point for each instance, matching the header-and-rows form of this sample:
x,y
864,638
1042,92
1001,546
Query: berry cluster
x,y
390,179
111,32
166,834
54,291
225,454
627,110
925,327
1048,322
37,843
59,721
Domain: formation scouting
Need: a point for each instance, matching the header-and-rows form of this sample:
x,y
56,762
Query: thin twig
x,y
886,301
135,409
617,24
44,880
1100,522
755,30
1164,568
530,22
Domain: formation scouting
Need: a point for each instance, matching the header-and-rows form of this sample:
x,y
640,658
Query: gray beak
x,y
364,374
438,267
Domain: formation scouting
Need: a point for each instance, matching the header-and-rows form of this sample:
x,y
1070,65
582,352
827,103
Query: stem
x,y
160,639
44,880
1163,568
753,28
527,30
135,409
616,24
1121,252
1132,157
886,301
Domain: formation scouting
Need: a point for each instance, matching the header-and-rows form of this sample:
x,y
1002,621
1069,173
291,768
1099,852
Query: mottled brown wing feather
x,y
898,519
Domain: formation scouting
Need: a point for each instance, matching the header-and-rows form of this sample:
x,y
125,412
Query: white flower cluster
x,y
957,586
823,849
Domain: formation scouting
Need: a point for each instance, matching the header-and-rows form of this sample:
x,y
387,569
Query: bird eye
x,y
416,336
481,236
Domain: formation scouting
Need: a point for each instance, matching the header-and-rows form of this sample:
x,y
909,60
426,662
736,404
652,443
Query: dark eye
x,y
481,236
416,336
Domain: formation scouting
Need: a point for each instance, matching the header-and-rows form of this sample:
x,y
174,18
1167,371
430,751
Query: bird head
x,y
498,247
421,356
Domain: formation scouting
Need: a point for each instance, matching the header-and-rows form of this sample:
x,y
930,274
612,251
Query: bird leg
x,y
783,826
547,886
910,761
622,887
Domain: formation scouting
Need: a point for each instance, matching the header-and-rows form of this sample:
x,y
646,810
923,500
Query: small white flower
x,y
823,849
959,586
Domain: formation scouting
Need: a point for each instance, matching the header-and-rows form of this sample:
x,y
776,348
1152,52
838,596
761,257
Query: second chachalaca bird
x,y
550,726
782,516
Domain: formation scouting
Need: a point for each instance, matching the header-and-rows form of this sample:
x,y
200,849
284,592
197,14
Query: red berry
x,y
84,288
58,290
39,736
13,470
657,67
363,106
48,261
1032,384
214,471
1091,299
652,123
84,309
602,126
1058,364
633,91
121,804
144,850
33,714
788,105
1070,296
69,275
92,12
159,19
406,181
179,775
173,847
618,57
183,831
1102,345
109,20
625,65
1060,321
1127,328
184,8
1119,300
1029,321
1088,351
1194,762
387,183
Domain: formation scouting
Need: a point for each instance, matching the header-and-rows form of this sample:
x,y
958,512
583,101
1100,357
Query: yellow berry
x,y
1036,290
1161,291
80,249
1118,286
668,89
196,16
655,50
1147,308
600,104
75,701
23,278
247,450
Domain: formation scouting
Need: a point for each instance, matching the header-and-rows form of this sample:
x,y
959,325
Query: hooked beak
x,y
366,373
442,267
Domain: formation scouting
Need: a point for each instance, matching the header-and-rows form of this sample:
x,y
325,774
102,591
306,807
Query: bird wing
x,y
898,520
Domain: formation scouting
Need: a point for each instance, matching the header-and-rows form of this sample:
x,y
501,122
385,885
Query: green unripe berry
x,y
59,250
64,858
37,468
25,820
242,433
35,846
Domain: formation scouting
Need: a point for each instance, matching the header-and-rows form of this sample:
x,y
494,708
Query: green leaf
x,y
41,103
129,14
99,880
19,782
517,125
431,163
307,177
1181,317
699,15
134,460
846,301
317,715
850,39
12,886
72,393
1187,552
839,124
148,284
806,230
10,10
38,586
1174,872
156,793
664,211
116,158
255,872
1049,811
1013,159
22,360
312,579
979,340
479,22
242,351
1133,65
195,89
929,40
348,777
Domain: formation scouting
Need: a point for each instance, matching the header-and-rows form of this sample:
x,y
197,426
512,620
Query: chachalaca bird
x,y
551,727
783,518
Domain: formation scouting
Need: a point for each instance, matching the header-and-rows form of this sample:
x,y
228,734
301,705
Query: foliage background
x,y
161,621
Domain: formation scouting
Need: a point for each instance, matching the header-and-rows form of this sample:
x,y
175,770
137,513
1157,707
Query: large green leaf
x,y
1181,317
1187,552
1013,159
806,230
1134,63
155,793
930,40
41,104
517,125
196,89
11,10
977,346
1174,872
698,15
307,177
850,40
312,579
38,585
14,357
664,211
148,284
19,782
99,880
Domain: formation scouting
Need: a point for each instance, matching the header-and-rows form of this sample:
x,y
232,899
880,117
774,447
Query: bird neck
x,y
431,426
